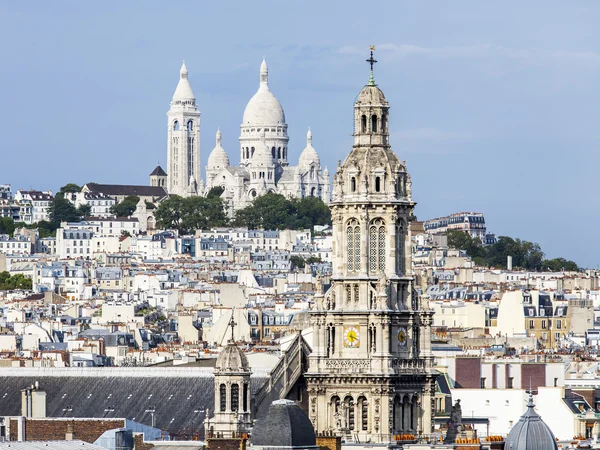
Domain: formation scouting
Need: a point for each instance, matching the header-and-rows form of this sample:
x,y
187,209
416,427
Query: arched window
x,y
352,184
247,153
279,152
400,249
334,407
353,246
245,397
312,192
235,397
363,410
350,420
252,151
273,152
377,246
176,125
190,125
377,184
374,123
397,414
222,398
363,124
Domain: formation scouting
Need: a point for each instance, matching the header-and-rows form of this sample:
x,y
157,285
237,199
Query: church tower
x,y
371,371
183,148
232,409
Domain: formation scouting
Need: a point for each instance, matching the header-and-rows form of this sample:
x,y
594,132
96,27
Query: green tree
x,y
297,262
310,211
7,225
215,191
559,265
70,187
169,213
17,281
61,209
269,212
189,214
84,210
125,208
460,240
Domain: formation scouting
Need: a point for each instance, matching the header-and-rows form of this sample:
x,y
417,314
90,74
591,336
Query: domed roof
x,y
263,108
309,155
232,359
284,425
183,90
218,157
530,432
371,95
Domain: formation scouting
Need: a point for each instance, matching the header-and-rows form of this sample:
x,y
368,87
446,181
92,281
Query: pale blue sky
x,y
495,105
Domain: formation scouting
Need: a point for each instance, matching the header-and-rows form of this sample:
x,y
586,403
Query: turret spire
x,y
372,61
264,72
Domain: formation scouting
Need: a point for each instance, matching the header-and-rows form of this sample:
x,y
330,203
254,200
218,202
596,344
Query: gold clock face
x,y
351,336
402,336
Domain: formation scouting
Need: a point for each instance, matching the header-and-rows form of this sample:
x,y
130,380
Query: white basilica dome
x,y
263,108
309,155
218,157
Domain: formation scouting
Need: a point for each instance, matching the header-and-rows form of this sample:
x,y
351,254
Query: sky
x,y
495,105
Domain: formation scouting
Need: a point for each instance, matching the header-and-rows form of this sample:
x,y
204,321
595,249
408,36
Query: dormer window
x,y
377,184
353,184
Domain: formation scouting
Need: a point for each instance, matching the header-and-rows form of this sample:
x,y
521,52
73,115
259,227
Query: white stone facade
x,y
183,146
264,158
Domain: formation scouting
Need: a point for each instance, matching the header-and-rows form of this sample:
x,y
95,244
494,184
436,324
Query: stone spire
x,y
264,73
184,89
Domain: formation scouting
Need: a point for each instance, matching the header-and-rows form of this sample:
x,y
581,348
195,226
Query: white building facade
x,y
183,147
264,157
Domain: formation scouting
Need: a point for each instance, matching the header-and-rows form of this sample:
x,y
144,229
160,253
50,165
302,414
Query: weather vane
x,y
372,61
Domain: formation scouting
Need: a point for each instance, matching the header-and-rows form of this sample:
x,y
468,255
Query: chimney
x,y
21,429
509,263
33,401
70,434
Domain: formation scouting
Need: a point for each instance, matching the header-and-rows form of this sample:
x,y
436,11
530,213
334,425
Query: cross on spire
x,y
232,324
372,61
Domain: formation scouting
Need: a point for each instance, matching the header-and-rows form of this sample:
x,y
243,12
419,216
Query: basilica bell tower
x,y
371,375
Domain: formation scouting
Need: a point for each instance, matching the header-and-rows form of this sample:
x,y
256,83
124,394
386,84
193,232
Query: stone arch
x,y
222,397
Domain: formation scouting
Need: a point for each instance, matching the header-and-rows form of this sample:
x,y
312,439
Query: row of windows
x,y
558,324
278,152
374,124
378,182
177,127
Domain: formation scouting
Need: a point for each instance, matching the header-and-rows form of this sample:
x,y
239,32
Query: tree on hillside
x,y
125,208
559,265
7,225
61,209
70,187
275,212
215,191
189,214
310,211
84,210
269,212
